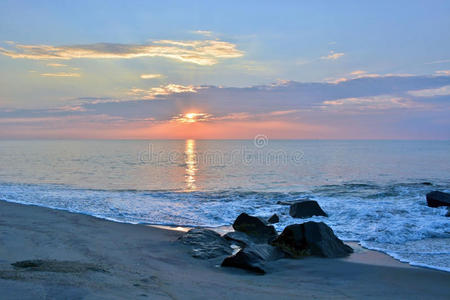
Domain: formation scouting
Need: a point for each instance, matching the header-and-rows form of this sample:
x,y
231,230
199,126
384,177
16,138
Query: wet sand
x,y
83,257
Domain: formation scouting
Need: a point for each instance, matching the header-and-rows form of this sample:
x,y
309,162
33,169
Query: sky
x,y
225,70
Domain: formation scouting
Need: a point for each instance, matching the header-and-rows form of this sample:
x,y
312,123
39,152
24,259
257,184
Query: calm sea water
x,y
373,191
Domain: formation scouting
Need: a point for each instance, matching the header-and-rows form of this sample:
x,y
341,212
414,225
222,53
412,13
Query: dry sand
x,y
84,257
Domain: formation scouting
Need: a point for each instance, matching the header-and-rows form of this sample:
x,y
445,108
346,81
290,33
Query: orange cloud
x,y
203,52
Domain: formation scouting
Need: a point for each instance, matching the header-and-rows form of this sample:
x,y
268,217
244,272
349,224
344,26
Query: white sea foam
x,y
393,219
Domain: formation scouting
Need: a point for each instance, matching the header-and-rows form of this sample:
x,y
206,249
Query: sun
x,y
192,117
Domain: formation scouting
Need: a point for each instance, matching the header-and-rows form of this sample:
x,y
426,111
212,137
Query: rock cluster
x,y
260,243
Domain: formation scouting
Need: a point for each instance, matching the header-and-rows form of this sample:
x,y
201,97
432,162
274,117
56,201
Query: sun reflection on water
x,y
191,165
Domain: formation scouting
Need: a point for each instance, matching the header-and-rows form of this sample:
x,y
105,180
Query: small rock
x,y
436,199
311,238
255,227
427,183
306,209
206,243
266,252
448,212
252,257
246,261
273,219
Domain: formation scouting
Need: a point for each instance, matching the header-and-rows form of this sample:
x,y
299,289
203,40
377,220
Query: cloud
x,y
369,106
443,72
56,65
163,90
383,102
150,76
363,74
61,74
443,61
206,33
442,91
332,56
204,52
191,117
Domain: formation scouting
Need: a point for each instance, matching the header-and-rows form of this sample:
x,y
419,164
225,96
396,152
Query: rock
x,y
436,199
206,243
427,183
252,257
273,219
246,261
240,238
306,209
265,252
255,227
311,238
448,212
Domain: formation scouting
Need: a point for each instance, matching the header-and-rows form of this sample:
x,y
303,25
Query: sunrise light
x,y
192,117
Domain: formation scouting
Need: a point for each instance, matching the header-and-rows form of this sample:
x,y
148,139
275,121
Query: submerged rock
x,y
436,199
273,219
253,257
255,227
306,209
206,243
311,238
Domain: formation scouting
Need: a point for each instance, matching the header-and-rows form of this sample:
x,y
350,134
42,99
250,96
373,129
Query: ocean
x,y
373,191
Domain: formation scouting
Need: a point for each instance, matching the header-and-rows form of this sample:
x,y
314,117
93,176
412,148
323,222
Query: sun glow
x,y
192,117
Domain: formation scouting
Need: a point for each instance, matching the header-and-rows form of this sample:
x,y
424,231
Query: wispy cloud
x,y
206,33
443,72
61,74
382,102
55,65
332,55
163,90
364,74
442,61
442,91
200,52
150,76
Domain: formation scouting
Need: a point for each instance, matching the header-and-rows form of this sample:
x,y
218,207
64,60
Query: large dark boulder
x,y
311,238
206,243
306,209
253,257
256,228
436,199
273,219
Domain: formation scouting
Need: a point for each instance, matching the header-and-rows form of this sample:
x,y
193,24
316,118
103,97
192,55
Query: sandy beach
x,y
84,257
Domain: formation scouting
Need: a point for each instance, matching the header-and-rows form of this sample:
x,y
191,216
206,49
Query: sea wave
x,y
390,218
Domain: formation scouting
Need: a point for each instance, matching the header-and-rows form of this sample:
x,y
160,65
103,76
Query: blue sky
x,y
54,55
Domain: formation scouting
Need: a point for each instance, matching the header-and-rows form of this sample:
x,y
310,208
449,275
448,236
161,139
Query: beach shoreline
x,y
111,260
